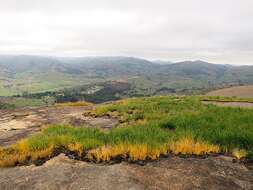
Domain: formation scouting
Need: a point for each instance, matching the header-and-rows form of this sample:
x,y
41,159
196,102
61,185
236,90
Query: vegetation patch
x,y
74,104
96,146
150,128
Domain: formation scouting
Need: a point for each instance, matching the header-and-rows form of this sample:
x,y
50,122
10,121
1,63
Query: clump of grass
x,y
11,158
135,152
239,153
187,145
15,156
74,104
76,147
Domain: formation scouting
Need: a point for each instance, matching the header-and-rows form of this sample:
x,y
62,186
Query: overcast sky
x,y
219,31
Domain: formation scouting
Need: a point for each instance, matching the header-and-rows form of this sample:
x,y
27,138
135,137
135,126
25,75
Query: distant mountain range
x,y
32,74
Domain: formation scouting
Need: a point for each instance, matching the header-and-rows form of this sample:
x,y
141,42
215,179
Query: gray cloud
x,y
216,31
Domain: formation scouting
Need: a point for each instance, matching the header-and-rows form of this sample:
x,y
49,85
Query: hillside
x,y
34,74
237,91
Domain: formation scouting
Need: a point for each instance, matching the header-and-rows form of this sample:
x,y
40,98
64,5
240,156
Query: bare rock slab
x,y
62,173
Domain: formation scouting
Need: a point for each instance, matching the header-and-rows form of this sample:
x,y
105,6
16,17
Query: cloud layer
x,y
216,31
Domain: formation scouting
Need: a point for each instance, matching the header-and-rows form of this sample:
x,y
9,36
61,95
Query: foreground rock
x,y
20,123
61,173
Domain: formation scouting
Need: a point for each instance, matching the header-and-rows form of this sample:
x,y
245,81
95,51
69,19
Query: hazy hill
x,y
38,73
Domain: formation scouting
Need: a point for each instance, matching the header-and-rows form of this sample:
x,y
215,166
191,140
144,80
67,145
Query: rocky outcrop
x,y
20,123
62,173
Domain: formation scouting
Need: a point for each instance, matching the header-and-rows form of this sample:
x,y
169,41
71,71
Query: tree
x,y
48,100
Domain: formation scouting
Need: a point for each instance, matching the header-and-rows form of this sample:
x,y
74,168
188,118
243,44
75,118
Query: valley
x,y
37,74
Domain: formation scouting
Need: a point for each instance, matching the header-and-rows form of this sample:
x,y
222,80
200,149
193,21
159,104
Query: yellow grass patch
x,y
13,156
133,151
7,160
76,147
80,103
21,146
141,121
42,153
188,146
239,153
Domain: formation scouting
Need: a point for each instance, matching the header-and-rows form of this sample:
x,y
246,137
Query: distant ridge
x,y
21,73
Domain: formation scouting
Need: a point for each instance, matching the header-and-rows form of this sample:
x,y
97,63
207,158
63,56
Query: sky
x,y
218,31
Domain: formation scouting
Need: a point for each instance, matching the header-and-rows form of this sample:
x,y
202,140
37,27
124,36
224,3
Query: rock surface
x,y
19,123
62,173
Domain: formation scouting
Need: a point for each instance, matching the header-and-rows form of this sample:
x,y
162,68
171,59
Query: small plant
x,y
187,145
76,147
135,152
14,156
239,153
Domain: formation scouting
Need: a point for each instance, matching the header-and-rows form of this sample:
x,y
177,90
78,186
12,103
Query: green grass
x,y
225,126
154,126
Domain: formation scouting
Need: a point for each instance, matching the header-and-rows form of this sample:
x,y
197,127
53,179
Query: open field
x,y
148,129
238,91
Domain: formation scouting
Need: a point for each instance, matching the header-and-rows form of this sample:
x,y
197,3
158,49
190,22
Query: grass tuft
x,y
239,153
189,146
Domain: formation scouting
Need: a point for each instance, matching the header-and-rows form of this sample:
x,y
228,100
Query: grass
x,y
133,143
149,128
239,153
74,104
224,126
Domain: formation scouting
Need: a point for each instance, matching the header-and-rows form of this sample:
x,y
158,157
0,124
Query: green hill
x,y
38,74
